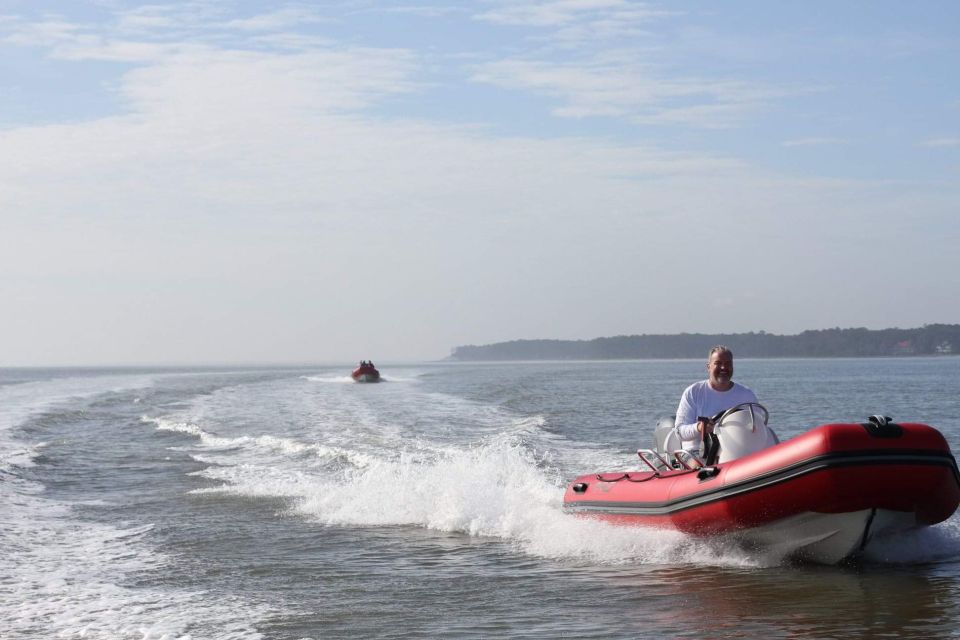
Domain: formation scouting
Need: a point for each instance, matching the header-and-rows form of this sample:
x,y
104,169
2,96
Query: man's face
x,y
720,368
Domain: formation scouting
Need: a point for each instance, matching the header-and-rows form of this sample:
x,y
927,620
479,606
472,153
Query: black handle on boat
x,y
711,448
882,427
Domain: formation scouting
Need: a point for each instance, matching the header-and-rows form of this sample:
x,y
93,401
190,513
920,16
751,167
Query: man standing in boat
x,y
702,400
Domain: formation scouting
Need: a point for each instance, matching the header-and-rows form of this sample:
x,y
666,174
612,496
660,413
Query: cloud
x,y
426,11
150,32
575,24
44,33
216,84
242,187
599,59
622,88
75,41
277,20
561,13
814,142
942,142
150,18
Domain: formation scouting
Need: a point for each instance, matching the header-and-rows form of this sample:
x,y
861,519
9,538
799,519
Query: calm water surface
x,y
294,503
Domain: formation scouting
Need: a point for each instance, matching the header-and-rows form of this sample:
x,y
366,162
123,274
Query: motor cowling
x,y
661,435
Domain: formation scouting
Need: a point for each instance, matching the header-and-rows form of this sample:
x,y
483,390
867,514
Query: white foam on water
x,y
404,376
499,490
63,577
364,471
18,402
934,544
163,424
330,379
256,446
20,455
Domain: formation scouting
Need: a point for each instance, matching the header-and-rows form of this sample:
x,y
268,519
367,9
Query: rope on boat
x,y
628,478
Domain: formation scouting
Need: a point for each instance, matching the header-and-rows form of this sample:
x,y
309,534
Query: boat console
x,y
740,430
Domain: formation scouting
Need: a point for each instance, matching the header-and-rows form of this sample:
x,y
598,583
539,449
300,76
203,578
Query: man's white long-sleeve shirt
x,y
700,399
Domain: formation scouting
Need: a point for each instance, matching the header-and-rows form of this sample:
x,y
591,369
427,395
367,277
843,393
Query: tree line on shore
x,y
931,339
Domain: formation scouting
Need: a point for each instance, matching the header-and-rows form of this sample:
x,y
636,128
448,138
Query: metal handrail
x,y
657,462
688,459
661,463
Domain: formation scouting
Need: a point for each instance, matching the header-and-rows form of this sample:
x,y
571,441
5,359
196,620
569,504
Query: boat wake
x,y
366,464
68,576
499,489
929,545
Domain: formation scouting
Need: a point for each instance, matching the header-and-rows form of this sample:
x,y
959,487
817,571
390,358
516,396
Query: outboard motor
x,y
743,430
662,440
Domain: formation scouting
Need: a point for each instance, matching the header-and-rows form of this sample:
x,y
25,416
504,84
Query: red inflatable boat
x,y
822,496
366,372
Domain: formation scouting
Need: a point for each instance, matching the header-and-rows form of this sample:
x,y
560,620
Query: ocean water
x,y
295,503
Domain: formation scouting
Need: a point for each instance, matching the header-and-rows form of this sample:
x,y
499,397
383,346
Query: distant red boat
x,y
366,372
821,496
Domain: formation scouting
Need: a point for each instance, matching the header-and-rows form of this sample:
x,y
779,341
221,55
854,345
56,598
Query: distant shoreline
x,y
928,340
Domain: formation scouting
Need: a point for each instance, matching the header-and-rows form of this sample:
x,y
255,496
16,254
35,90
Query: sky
x,y
239,182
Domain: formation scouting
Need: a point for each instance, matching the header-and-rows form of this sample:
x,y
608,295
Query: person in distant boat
x,y
702,400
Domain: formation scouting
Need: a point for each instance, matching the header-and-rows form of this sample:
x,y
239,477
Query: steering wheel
x,y
743,406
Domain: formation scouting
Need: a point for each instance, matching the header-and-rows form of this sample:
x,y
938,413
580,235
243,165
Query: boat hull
x,y
824,538
822,495
365,373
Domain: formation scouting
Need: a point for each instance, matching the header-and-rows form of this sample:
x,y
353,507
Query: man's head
x,y
720,368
